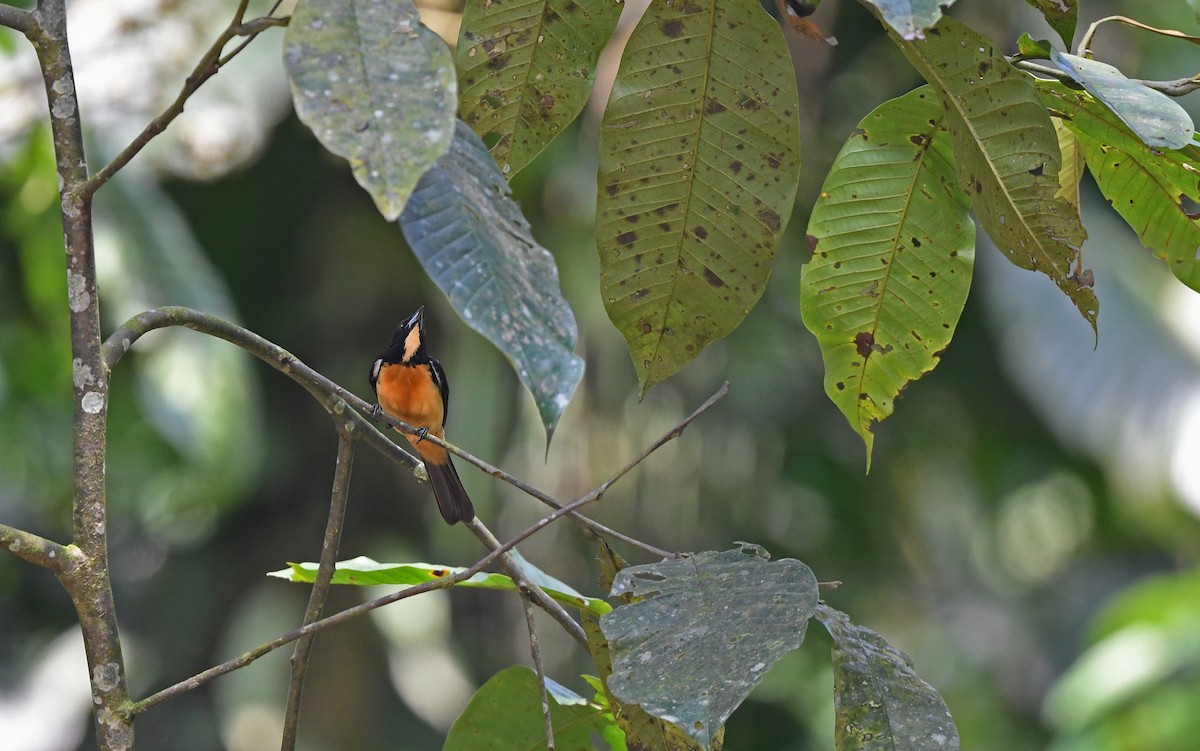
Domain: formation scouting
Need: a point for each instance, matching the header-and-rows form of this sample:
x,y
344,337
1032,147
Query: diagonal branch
x,y
531,590
535,652
210,63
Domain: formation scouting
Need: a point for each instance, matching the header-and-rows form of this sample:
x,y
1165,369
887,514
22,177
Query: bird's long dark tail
x,y
452,498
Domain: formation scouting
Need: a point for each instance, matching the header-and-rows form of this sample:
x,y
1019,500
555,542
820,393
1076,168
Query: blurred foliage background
x,y
1028,532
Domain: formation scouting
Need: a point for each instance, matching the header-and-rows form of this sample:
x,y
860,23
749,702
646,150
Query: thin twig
x,y
1176,88
320,590
536,652
17,19
517,574
33,548
210,63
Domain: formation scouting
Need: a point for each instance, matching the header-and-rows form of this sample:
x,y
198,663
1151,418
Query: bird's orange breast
x,y
408,393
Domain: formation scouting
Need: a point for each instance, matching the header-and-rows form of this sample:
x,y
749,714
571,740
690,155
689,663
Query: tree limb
x,y
34,549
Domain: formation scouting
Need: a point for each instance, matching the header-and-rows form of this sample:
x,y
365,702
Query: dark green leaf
x,y
1007,155
881,704
1155,117
526,70
473,241
702,632
506,714
376,87
893,249
643,731
1062,15
910,18
699,155
363,571
1147,187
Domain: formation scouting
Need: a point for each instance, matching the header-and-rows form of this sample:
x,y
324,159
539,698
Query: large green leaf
x,y
643,731
1062,15
473,241
911,18
893,247
1007,155
702,632
363,571
376,87
1155,117
699,155
881,703
506,714
526,68
1146,186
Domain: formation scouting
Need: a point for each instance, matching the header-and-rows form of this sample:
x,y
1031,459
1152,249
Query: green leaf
x,y
506,714
1007,155
1071,171
893,249
1147,187
910,18
525,70
475,244
699,157
881,704
1062,15
643,731
1155,117
702,632
364,572
375,87
1033,50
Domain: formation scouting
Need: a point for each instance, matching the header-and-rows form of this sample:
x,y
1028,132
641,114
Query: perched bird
x,y
411,386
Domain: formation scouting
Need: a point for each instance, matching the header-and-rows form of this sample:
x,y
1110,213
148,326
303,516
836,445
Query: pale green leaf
x,y
1071,171
364,572
1155,117
1062,15
881,703
699,156
703,630
893,248
473,241
526,70
505,714
375,87
1147,187
911,18
1007,155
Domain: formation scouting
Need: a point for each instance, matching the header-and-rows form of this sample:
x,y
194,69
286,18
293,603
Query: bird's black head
x,y
407,347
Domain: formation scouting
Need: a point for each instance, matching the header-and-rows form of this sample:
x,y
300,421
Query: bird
x,y
411,386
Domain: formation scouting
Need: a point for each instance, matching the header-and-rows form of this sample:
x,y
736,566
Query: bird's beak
x,y
418,318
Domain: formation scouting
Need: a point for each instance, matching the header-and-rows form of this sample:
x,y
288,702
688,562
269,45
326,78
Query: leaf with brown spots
x,y
1002,134
1152,190
526,69
887,288
699,158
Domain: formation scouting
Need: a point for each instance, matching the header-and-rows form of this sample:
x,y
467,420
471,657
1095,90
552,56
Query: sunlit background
x,y
1028,531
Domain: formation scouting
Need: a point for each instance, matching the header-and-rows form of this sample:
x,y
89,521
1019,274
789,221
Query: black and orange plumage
x,y
411,386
